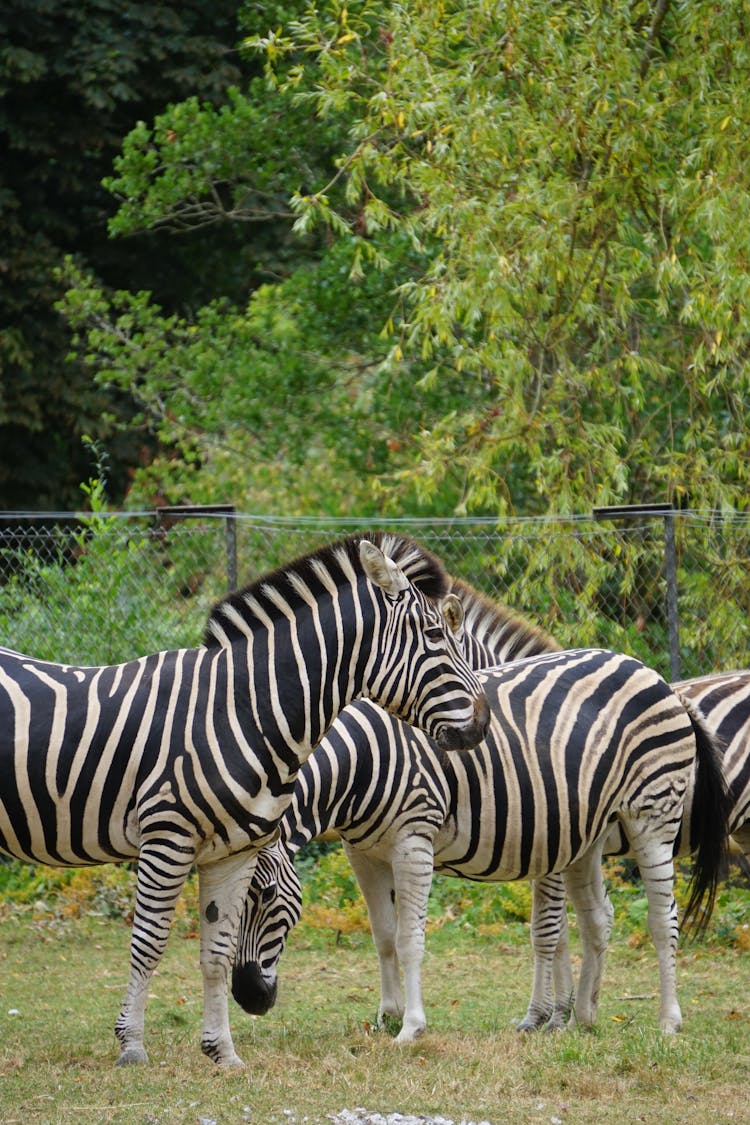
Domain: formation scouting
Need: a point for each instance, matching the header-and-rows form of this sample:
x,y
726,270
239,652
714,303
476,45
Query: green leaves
x,y
501,258
570,178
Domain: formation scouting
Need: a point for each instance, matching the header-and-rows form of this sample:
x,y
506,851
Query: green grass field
x,y
62,981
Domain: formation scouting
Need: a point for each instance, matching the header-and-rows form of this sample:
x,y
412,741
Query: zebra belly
x,y
66,832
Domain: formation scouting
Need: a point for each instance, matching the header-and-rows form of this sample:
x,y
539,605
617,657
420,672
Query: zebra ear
x,y
453,612
382,570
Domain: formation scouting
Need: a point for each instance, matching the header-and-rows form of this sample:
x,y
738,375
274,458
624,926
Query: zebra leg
x,y
548,915
162,871
375,878
413,864
656,865
594,912
222,889
562,978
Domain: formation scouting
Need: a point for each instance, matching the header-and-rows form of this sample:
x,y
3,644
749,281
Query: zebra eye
x,y
434,633
268,893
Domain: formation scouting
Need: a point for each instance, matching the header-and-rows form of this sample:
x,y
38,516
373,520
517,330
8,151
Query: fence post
x,y
195,511
230,525
650,511
670,572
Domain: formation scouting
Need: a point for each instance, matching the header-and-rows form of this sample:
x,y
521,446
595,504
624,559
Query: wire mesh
x,y
104,588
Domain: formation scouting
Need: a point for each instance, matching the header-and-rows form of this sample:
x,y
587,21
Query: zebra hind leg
x,y
222,888
548,917
162,871
656,865
585,885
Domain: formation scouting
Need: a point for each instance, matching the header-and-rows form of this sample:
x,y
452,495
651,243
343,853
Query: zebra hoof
x,y
532,1021
132,1056
232,1061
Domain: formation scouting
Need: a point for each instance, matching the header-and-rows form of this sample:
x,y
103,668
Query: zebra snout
x,y
470,735
253,991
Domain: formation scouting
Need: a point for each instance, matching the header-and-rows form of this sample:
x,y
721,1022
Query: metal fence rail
x,y
670,587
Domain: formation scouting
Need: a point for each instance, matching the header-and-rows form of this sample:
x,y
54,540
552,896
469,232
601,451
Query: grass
x,y
62,981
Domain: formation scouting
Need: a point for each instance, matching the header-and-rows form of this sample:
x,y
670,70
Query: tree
x,y
532,240
73,80
576,176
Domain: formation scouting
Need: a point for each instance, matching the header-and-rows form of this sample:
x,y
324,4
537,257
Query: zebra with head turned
x,y
576,740
490,634
190,757
722,701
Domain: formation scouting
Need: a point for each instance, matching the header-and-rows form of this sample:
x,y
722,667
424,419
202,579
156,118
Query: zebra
x,y
490,633
722,700
272,908
189,757
577,740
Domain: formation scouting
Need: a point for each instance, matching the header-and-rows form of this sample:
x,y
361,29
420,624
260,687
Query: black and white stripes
x,y
577,740
722,702
189,757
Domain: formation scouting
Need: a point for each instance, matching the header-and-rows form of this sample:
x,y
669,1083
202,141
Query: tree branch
x,y
659,15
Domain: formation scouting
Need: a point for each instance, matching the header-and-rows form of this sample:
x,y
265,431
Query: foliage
x,y
520,284
478,907
332,900
54,895
574,176
73,80
99,594
271,403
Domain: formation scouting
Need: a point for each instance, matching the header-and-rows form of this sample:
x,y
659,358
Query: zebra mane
x,y
226,619
495,626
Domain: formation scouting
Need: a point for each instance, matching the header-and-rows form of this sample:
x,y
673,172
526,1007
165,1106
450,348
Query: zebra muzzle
x,y
469,735
255,993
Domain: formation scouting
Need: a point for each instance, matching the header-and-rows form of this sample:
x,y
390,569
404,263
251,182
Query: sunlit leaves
x,y
576,176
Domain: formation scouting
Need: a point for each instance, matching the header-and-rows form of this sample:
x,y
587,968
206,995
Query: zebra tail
x,y
709,826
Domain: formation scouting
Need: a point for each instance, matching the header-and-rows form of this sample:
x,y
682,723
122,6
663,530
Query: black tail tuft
x,y
709,825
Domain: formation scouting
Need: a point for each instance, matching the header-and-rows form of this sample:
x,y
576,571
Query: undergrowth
x,y
332,901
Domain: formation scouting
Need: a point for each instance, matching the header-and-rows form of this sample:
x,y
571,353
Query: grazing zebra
x,y
190,757
490,634
723,703
577,739
272,908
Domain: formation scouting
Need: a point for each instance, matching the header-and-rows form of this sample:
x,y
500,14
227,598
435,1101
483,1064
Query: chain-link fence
x,y
670,587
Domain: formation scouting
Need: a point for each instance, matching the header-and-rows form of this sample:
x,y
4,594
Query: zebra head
x,y
272,907
420,672
361,617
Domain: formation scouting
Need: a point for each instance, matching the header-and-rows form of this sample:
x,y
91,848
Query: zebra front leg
x,y
594,912
413,865
547,919
375,878
222,888
162,870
